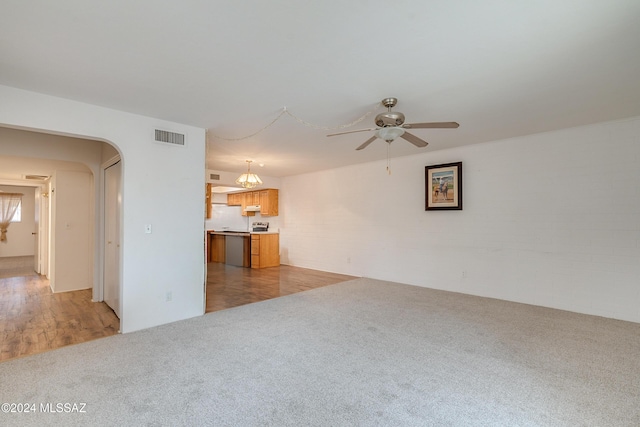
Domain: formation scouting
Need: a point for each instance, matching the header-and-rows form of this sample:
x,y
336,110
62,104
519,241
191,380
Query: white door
x,y
36,232
112,203
44,230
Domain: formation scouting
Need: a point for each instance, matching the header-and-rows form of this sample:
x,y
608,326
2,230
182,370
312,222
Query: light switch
x,y
147,228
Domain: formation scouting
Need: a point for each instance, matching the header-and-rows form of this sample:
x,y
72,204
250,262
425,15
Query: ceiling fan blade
x,y
350,131
433,125
367,142
414,139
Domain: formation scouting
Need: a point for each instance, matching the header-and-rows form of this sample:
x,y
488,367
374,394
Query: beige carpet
x,y
362,352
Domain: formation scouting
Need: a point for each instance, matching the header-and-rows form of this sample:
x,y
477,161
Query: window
x,y
17,217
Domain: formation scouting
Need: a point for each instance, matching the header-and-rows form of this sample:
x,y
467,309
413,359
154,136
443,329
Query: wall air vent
x,y
173,138
214,177
36,177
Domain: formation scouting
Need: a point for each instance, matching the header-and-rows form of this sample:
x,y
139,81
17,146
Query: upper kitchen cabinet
x,y
255,197
235,199
246,199
241,199
268,202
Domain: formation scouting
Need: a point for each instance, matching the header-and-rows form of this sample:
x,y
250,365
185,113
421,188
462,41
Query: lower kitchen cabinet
x,y
216,248
265,250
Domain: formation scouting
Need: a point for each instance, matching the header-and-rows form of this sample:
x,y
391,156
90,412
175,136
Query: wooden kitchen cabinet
x,y
269,202
267,199
255,251
207,197
245,200
216,248
234,199
240,199
255,197
265,250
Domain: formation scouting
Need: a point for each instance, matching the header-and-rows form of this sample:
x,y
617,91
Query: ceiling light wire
x,y
299,120
255,133
320,127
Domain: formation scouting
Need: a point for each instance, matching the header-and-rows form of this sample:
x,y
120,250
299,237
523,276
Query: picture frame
x,y
443,187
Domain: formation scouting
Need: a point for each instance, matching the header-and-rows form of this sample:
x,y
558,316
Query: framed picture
x,y
443,184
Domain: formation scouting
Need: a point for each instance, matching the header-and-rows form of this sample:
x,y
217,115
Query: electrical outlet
x,y
169,296
147,228
464,274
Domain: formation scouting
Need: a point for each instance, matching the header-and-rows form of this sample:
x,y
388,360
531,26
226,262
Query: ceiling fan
x,y
391,125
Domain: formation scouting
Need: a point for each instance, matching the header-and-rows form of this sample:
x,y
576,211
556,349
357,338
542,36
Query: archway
x,y
69,188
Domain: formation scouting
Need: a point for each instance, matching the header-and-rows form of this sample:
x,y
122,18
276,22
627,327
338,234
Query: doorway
x,y
35,159
18,253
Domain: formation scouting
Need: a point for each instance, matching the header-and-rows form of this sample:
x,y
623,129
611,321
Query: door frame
x,y
98,291
42,230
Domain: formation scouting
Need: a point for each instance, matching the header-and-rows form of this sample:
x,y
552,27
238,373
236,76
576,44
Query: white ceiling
x,y
14,169
501,68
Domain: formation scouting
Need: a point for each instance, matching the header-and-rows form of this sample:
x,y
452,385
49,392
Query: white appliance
x,y
227,218
259,226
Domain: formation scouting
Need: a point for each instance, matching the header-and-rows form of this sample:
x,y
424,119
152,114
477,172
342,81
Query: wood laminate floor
x,y
33,319
229,286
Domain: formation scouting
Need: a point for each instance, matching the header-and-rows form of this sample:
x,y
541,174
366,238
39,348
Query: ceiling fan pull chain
x,y
388,158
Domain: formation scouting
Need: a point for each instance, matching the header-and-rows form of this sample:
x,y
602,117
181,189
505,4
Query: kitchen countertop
x,y
240,233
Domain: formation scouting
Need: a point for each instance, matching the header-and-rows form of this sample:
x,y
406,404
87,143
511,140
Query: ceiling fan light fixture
x,y
389,133
248,180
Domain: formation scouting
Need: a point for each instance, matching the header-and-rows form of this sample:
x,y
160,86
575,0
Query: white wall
x,y
551,219
163,186
20,241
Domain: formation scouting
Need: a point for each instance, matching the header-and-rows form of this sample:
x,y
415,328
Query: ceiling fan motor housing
x,y
390,118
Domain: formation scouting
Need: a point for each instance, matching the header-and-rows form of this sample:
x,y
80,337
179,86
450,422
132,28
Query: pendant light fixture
x,y
248,180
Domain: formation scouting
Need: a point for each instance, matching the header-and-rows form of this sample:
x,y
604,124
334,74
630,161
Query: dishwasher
x,y
234,250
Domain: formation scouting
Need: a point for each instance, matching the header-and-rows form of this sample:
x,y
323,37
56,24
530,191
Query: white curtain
x,y
9,203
